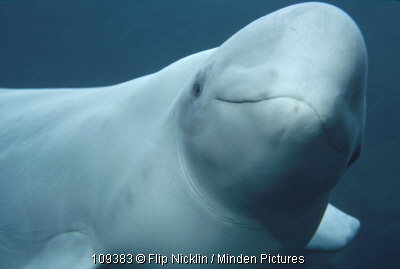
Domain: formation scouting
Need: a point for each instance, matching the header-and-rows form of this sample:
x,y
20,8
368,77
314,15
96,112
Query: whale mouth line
x,y
259,100
255,100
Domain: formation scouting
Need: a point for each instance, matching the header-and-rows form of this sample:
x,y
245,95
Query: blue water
x,y
93,43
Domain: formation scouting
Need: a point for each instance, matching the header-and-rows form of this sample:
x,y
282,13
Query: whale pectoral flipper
x,y
335,231
64,251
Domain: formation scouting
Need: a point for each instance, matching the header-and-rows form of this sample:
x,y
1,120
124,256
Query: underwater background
x,y
86,43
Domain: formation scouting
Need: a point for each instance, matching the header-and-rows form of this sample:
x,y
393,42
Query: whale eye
x,y
196,89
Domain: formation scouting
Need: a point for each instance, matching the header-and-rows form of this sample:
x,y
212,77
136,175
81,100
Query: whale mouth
x,y
254,100
262,99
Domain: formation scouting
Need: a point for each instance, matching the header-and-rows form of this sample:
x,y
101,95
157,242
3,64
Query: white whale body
x,y
231,150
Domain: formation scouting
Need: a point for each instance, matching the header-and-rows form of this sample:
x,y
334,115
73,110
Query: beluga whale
x,y
233,150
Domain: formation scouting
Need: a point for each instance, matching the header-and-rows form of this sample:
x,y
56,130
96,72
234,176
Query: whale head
x,y
275,115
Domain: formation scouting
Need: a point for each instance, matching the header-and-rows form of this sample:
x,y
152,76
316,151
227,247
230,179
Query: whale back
x,y
55,142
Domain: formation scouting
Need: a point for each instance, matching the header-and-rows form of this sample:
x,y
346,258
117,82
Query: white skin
x,y
335,231
236,146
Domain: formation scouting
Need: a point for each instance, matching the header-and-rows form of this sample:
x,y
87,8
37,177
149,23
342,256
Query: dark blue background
x,y
91,43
